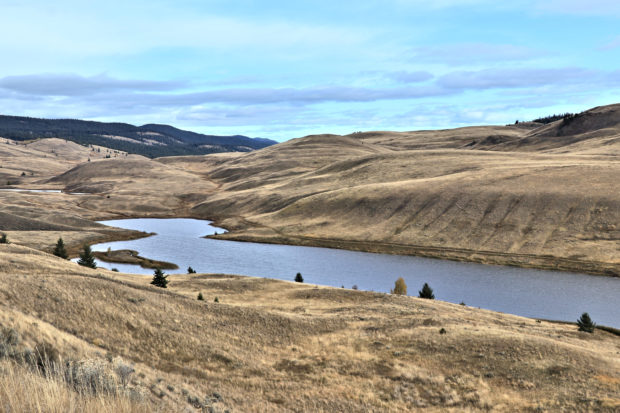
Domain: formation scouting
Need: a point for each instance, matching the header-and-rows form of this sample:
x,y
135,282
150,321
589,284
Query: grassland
x,y
276,346
530,195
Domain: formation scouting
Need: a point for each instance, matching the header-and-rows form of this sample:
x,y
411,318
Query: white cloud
x,y
473,53
74,85
518,78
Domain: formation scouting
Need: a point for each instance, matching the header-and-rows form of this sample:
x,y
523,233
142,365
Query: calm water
x,y
55,191
526,292
52,191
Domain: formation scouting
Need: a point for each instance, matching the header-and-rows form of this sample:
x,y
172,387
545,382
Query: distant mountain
x,y
150,140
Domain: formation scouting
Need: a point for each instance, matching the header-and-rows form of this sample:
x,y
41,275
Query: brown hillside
x,y
444,198
277,346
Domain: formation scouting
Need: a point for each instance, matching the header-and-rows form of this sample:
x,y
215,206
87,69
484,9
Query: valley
x,y
530,195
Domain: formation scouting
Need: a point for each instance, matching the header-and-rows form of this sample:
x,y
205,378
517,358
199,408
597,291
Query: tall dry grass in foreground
x,y
24,389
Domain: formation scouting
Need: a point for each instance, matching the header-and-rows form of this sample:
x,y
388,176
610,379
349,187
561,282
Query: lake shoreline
x,y
539,262
554,295
532,261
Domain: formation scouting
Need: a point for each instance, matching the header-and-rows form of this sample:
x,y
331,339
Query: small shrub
x,y
442,331
124,372
216,300
114,269
586,324
159,279
4,239
9,339
426,292
44,357
299,278
400,288
190,270
354,287
90,377
200,297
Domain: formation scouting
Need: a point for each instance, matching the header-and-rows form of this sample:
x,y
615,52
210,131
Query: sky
x,y
285,69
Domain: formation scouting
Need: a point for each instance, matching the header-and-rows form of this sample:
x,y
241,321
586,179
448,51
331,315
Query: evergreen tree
x,y
585,323
3,239
190,270
299,278
200,297
159,279
60,250
400,287
426,292
87,259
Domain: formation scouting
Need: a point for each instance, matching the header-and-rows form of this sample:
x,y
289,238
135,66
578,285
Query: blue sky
x,y
284,69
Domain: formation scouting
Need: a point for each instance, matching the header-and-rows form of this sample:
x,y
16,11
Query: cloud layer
x,y
292,68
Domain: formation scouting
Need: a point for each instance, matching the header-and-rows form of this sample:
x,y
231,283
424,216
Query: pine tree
x,y
299,278
3,239
159,279
200,297
426,292
60,250
190,270
400,287
87,259
586,324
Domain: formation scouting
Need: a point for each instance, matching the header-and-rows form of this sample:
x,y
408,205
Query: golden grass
x,y
25,390
281,346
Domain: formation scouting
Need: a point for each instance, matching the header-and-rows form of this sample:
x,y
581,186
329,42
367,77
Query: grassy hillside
x,y
524,194
276,346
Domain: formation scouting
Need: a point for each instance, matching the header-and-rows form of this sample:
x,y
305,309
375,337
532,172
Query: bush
x,y
299,278
200,297
586,324
4,239
426,292
400,288
190,270
87,259
159,279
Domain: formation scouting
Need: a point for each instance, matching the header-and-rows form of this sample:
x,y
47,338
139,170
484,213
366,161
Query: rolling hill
x,y
528,194
150,140
533,194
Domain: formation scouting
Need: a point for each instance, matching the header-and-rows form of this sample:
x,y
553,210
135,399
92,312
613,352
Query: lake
x,y
532,293
53,191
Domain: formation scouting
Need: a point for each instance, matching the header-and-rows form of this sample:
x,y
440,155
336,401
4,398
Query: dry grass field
x,y
277,346
531,195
